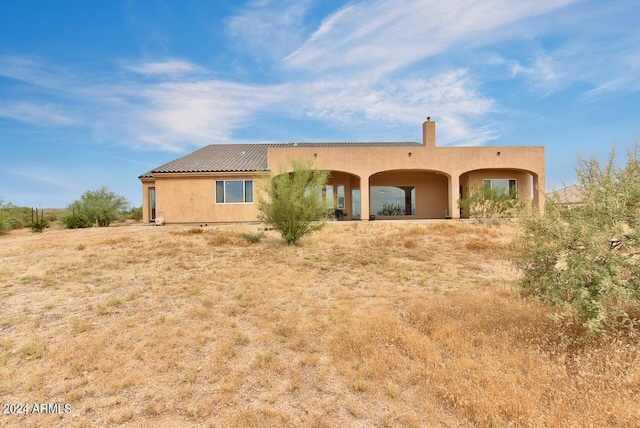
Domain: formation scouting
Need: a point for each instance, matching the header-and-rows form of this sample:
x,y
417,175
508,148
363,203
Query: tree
x,y
100,206
14,217
293,203
486,204
586,259
5,226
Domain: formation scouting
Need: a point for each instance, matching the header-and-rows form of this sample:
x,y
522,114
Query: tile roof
x,y
573,194
242,157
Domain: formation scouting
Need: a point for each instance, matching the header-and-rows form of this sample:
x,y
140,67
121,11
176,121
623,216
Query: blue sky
x,y
96,93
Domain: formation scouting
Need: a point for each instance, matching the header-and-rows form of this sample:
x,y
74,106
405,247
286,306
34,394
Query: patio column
x,y
454,195
539,195
364,198
407,199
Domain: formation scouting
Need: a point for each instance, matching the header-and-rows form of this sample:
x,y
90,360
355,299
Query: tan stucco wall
x,y
146,209
191,198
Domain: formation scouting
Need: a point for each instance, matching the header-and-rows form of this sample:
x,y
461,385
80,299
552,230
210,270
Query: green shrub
x,y
76,221
253,238
487,204
51,216
16,223
586,260
104,219
135,213
13,217
390,209
5,226
293,202
39,226
100,206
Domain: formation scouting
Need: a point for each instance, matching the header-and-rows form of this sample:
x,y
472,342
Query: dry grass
x,y
363,324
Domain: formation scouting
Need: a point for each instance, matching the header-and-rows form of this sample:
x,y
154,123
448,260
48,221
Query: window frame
x,y
247,192
509,181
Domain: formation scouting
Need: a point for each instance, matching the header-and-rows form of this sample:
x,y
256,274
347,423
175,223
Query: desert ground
x,y
363,324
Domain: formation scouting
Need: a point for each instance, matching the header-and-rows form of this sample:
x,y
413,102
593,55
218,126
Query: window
x,y
152,203
393,200
355,203
504,186
234,191
340,198
328,193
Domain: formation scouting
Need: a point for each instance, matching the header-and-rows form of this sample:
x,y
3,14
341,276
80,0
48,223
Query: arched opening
x,y
522,184
408,194
342,195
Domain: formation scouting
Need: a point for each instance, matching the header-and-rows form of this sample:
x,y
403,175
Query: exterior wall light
x,y
498,153
409,154
315,155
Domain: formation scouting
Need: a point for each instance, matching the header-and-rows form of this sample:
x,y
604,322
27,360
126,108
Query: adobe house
x,y
404,180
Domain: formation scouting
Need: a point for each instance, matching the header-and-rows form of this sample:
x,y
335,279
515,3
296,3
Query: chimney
x,y
429,133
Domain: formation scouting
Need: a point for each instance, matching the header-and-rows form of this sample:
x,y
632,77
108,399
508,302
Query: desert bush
x,y
390,209
586,260
225,237
5,226
100,206
13,217
293,202
133,213
39,226
76,221
487,204
253,238
188,232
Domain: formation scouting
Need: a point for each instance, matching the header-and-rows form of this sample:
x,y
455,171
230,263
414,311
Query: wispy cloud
x,y
367,61
44,176
383,36
452,96
164,113
268,29
206,111
544,75
171,68
135,162
559,52
36,114
617,70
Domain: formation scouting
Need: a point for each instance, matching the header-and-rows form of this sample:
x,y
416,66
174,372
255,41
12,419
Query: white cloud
x,y
166,113
268,29
36,114
33,71
544,74
204,111
383,36
618,70
364,63
450,97
172,68
593,45
43,176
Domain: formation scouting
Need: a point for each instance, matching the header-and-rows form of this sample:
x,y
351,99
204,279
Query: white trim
x,y
244,190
